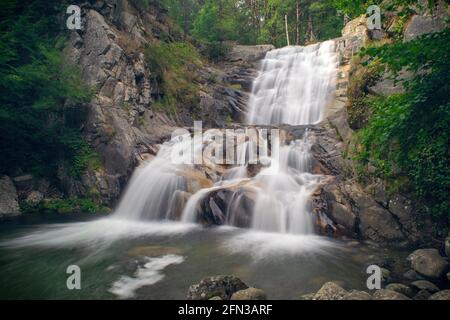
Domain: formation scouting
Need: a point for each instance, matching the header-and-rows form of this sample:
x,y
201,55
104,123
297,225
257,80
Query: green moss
x,y
174,66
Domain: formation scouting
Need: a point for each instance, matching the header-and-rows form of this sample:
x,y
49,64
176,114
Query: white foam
x,y
265,245
97,233
147,275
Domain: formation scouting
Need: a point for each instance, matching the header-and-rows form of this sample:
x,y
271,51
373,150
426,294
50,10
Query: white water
x,y
294,85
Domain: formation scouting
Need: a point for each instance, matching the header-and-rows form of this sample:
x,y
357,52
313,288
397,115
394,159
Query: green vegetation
x,y
174,68
405,137
41,105
214,22
65,206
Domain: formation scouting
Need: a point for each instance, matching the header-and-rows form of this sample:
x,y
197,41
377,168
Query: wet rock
x,y
422,295
9,206
249,294
441,295
425,285
216,286
389,295
428,263
330,291
412,275
401,288
34,198
357,295
447,247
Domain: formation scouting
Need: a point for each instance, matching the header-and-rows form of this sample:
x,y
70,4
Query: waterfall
x,y
293,87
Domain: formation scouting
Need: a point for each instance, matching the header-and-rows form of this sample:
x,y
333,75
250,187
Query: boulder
x,y
330,291
401,288
248,54
307,297
425,285
357,295
422,24
389,295
216,286
428,263
412,275
441,295
34,198
422,295
24,183
9,206
249,294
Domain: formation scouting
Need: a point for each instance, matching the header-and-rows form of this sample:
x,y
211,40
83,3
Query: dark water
x,y
120,259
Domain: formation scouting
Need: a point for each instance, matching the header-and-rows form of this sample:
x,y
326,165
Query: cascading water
x,y
293,87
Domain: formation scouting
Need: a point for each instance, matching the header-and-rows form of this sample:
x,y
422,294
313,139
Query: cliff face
x,y
123,125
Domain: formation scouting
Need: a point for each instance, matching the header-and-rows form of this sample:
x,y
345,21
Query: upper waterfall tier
x,y
294,85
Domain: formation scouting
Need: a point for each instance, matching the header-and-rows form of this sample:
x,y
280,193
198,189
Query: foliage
x,y
41,95
412,130
174,67
65,206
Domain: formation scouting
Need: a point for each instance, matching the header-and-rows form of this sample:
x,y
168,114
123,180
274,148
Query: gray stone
x,y
9,206
216,286
422,295
401,288
24,183
425,285
389,295
330,291
420,25
307,297
34,198
412,275
429,263
249,294
357,295
441,295
216,298
249,53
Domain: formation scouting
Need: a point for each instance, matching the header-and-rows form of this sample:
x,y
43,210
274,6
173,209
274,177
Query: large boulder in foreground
x,y
216,286
249,294
389,295
429,263
330,291
441,295
9,205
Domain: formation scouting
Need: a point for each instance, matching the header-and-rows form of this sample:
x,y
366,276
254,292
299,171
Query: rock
x,y
423,24
401,288
422,295
441,295
24,183
429,263
9,206
357,295
249,54
389,295
216,298
34,198
425,285
412,275
448,276
330,291
249,294
447,247
216,286
307,297
385,275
